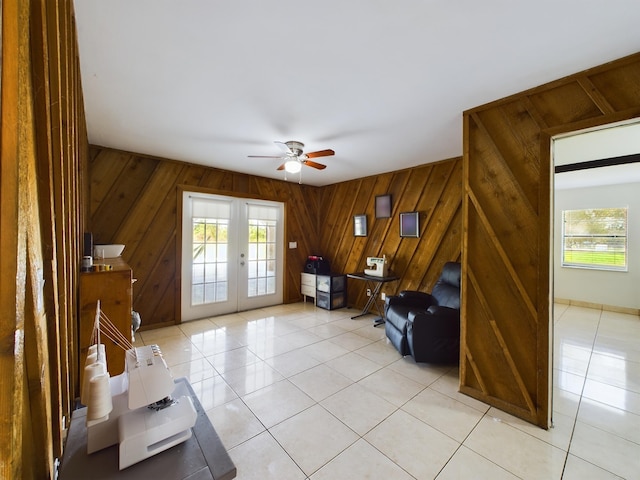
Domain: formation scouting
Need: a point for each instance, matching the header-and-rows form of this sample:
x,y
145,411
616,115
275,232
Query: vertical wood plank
x,y
42,114
39,223
11,294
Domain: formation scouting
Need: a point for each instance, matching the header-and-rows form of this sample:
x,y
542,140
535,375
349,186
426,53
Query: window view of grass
x,y
595,238
616,259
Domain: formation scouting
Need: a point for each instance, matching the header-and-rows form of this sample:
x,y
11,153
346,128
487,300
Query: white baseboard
x,y
598,306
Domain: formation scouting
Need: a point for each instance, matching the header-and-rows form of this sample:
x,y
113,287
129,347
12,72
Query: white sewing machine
x,y
379,266
134,409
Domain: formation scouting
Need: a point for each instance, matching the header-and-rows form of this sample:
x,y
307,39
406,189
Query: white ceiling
x,y
382,83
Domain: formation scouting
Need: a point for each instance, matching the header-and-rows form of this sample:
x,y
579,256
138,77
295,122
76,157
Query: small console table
x,y
202,456
375,284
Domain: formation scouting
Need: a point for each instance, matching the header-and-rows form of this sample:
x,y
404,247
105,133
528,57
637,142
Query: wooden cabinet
x,y
114,290
308,286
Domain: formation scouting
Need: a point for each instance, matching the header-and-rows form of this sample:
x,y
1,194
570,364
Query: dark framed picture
x,y
409,224
359,225
383,206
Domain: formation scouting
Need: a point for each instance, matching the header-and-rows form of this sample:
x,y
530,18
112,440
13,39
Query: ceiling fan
x,y
295,158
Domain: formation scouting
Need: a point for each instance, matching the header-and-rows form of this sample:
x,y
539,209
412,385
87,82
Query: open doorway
x,y
596,169
600,169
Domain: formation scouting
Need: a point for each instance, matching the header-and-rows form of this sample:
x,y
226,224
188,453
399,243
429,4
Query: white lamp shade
x,y
292,166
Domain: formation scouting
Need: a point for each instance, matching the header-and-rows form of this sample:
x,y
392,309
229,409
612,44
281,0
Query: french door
x,y
232,254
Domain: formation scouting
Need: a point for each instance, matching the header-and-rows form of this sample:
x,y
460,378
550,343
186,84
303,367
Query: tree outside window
x,y
595,238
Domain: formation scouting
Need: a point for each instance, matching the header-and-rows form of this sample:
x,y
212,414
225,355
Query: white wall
x,y
620,289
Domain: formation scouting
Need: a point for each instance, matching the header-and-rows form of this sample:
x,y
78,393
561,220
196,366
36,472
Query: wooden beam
x,y
14,49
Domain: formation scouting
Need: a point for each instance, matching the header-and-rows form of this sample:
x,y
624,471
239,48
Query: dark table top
x,y
373,278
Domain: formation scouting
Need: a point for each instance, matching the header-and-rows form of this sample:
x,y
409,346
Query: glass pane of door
x,y
262,257
209,281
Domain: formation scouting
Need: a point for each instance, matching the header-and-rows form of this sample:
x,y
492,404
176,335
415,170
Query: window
x,y
595,238
262,261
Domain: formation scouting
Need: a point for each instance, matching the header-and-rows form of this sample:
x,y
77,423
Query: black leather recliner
x,y
427,326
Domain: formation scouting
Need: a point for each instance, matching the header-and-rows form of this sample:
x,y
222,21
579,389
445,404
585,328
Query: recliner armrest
x,y
414,294
410,298
449,313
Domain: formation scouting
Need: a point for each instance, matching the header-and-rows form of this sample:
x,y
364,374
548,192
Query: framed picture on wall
x,y
409,224
383,206
359,225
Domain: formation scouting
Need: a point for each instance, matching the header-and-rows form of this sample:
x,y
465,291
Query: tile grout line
x,y
575,420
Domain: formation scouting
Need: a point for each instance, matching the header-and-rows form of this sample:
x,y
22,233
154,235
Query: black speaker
x,y
317,266
87,249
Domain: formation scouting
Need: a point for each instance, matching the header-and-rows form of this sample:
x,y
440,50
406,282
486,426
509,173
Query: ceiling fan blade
x,y
264,156
321,153
284,147
311,163
281,167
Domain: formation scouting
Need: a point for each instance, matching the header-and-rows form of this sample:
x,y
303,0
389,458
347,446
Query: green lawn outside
x,y
582,257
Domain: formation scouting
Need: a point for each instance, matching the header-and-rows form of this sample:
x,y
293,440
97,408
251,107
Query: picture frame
x,y
410,224
359,225
383,206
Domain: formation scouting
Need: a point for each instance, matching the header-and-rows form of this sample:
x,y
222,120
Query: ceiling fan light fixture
x,y
294,158
292,166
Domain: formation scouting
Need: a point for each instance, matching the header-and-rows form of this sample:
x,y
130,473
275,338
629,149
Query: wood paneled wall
x,y
43,152
433,190
507,223
134,201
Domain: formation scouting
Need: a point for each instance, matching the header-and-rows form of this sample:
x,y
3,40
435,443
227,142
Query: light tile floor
x,y
297,392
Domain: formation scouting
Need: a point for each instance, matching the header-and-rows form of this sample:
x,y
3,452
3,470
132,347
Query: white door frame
x,y
237,257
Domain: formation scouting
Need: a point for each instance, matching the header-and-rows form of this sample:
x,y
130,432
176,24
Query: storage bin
x,y
331,283
331,301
